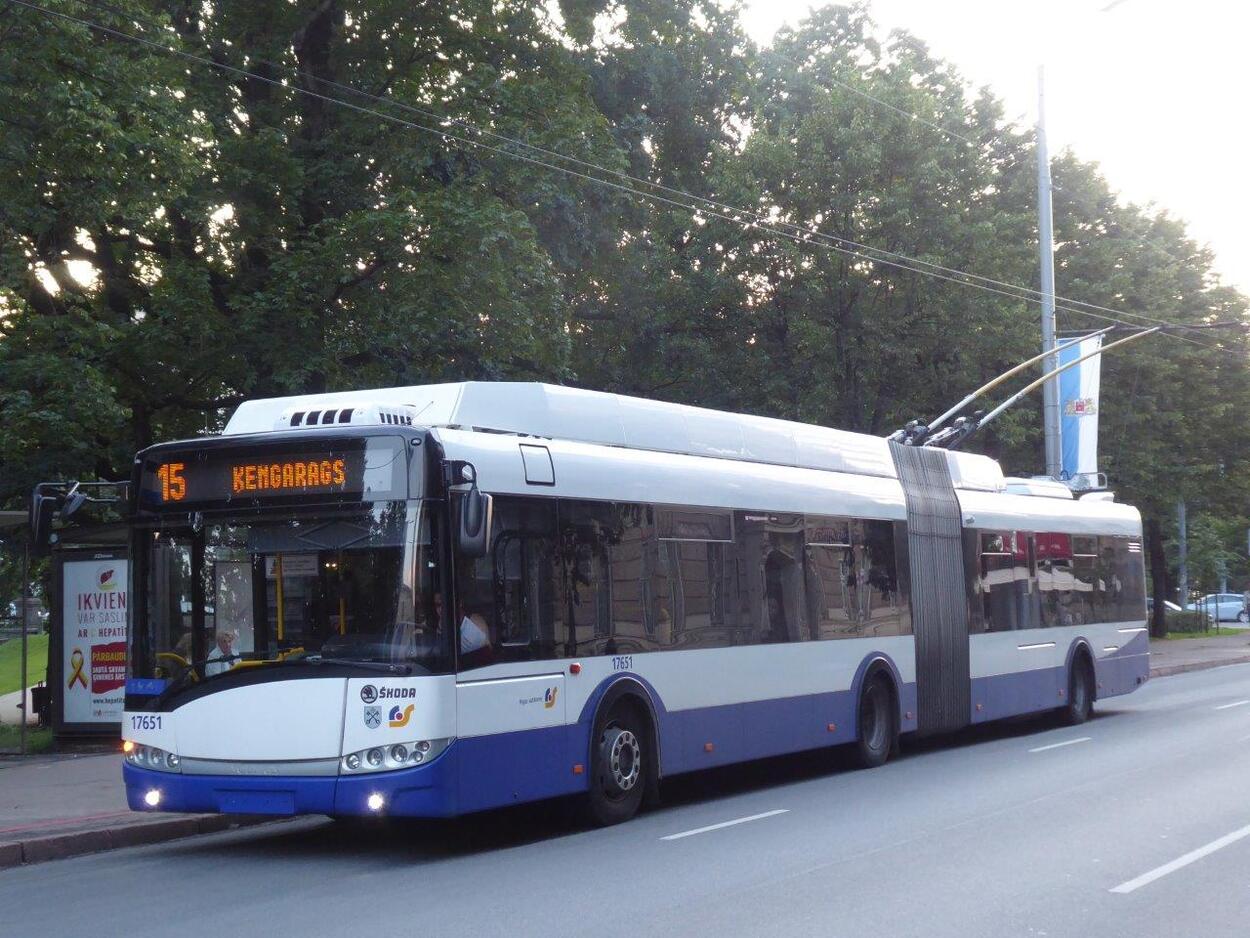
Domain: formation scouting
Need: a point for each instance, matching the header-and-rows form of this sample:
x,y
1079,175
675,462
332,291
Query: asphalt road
x,y
1135,824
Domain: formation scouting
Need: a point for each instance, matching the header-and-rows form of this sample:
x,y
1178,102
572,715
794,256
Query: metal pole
x,y
1183,538
25,629
1046,250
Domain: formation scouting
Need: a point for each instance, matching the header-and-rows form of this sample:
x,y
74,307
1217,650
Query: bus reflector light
x,y
831,727
578,769
575,668
708,747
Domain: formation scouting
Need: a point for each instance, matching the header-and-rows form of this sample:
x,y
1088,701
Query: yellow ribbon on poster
x,y
76,661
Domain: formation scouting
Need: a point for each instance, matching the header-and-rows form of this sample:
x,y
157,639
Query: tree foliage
x,y
264,199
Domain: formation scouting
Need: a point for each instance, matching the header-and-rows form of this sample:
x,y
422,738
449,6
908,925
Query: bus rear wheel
x,y
877,723
618,768
1080,693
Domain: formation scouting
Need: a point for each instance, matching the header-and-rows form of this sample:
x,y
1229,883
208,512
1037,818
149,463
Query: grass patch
x,y
37,739
11,662
1222,633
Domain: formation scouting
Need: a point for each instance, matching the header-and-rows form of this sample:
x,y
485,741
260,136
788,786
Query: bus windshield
x,y
352,585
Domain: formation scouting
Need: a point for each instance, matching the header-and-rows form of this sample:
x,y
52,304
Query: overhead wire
x,y
742,217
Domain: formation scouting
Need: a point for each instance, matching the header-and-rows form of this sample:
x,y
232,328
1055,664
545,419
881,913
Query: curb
x,y
1169,669
76,843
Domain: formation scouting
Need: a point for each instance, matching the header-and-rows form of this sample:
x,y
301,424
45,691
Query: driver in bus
x,y
223,656
474,632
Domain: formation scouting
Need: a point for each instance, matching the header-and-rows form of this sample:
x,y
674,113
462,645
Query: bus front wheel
x,y
878,723
618,776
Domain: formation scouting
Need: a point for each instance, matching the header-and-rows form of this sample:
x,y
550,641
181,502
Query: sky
x,y
1154,92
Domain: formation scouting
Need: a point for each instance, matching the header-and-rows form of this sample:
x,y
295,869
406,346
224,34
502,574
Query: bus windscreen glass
x,y
352,470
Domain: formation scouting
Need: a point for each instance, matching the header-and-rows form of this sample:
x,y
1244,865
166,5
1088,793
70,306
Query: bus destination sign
x,y
353,469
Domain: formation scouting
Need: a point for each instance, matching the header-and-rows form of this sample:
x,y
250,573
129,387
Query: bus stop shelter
x,y
86,666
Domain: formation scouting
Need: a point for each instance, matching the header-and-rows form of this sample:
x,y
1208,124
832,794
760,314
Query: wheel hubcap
x,y
623,759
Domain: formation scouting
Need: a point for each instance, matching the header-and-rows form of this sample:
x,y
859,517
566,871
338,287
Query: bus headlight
x,y
149,757
396,756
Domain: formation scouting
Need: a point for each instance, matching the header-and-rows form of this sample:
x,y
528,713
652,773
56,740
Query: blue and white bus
x,y
435,600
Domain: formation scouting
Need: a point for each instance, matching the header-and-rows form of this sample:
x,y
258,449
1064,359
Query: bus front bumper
x,y
422,791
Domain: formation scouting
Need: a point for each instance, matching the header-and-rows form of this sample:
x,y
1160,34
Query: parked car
x,y
1222,607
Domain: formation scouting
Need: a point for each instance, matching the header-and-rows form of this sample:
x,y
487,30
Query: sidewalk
x,y
1195,654
64,804
10,715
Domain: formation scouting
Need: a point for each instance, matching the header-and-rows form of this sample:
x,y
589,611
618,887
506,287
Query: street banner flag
x,y
1078,403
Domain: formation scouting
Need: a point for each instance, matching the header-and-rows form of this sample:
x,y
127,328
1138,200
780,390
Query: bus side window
x,y
628,590
998,574
831,577
526,589
1086,600
588,532
887,613
514,589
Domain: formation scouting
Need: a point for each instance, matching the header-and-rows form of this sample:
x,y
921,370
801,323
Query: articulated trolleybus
x,y
435,600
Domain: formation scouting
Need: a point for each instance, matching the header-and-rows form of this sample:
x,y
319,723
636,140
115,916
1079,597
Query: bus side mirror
x,y
473,530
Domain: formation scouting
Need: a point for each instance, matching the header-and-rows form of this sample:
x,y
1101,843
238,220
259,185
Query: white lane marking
x,y
1237,703
716,827
1069,742
1191,857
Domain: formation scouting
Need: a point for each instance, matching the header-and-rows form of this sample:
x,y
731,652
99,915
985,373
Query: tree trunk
x,y
1158,577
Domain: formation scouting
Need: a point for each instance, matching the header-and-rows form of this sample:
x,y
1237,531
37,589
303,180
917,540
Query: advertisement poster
x,y
93,646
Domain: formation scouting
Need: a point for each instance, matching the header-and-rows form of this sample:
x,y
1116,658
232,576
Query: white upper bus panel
x,y
1043,488
560,413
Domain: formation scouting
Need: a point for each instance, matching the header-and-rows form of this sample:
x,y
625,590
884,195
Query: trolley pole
x,y
1046,250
